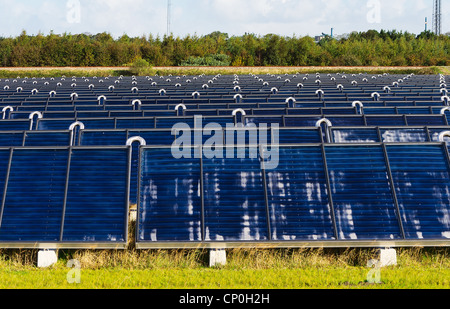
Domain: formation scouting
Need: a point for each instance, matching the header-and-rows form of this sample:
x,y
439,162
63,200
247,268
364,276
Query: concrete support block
x,y
217,257
47,258
388,257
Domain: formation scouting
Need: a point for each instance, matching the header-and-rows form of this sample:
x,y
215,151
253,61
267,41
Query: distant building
x,y
319,38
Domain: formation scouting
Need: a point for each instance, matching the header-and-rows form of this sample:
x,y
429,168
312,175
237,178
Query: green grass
x,y
246,269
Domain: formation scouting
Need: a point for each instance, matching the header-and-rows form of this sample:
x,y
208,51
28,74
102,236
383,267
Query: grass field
x,y
245,269
116,71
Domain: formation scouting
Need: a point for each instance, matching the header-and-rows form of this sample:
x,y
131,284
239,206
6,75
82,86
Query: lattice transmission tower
x,y
437,17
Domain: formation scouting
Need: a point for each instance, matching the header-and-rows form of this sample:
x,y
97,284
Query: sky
x,y
200,17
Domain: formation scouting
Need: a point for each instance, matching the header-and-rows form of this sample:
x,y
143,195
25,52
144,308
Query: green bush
x,y
216,60
140,67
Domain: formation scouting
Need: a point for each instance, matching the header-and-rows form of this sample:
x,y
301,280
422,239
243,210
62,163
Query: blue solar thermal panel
x,y
97,197
4,162
301,121
170,197
297,136
14,125
362,197
35,196
101,124
54,124
267,120
170,122
385,121
380,111
155,137
11,139
422,183
234,198
42,138
298,202
426,120
355,135
349,121
404,135
104,138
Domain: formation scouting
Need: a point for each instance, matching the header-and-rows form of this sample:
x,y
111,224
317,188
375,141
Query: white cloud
x,y
143,17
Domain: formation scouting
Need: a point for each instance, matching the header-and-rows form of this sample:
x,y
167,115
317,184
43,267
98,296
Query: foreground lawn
x,y
250,269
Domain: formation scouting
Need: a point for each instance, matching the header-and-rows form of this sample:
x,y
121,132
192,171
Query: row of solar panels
x,y
360,194
316,195
170,122
163,137
156,93
128,111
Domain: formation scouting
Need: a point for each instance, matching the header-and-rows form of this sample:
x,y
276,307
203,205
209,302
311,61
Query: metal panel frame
x,y
68,244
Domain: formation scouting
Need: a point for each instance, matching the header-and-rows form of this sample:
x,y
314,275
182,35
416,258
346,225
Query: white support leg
x,y
47,258
388,257
217,257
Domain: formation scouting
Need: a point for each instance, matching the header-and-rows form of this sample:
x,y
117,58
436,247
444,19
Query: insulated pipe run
x,y
291,102
361,106
72,128
328,125
182,106
136,102
238,98
5,109
320,93
443,135
31,117
444,110
375,96
101,100
243,114
138,139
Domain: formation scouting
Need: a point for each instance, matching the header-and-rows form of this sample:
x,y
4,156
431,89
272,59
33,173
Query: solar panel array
x,y
361,160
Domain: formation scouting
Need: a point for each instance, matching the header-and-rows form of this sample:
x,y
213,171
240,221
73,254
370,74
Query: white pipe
x,y
138,139
239,110
100,98
31,117
7,108
443,135
445,109
361,106
180,106
291,99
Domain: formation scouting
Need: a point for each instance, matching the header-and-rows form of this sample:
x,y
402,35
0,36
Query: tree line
x,y
371,48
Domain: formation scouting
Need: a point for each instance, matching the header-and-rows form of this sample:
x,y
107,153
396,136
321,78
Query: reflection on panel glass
x,y
362,196
422,182
297,195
